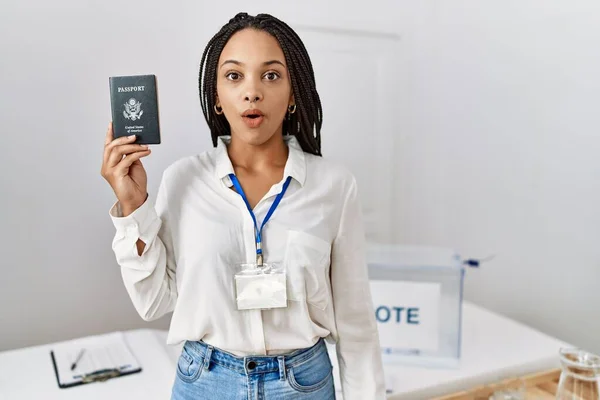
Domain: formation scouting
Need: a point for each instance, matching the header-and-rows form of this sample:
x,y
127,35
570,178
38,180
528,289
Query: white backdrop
x,y
479,119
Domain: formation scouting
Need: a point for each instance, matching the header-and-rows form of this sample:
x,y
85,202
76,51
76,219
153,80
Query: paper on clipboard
x,y
102,353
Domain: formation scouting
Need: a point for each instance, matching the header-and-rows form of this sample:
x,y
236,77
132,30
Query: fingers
x,y
109,134
110,147
120,153
117,153
121,168
107,140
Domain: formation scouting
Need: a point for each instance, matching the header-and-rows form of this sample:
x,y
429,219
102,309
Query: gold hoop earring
x,y
218,110
292,109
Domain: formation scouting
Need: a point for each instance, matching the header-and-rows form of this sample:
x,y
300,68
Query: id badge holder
x,y
260,287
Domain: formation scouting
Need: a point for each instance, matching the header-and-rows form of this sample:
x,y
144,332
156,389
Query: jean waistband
x,y
253,364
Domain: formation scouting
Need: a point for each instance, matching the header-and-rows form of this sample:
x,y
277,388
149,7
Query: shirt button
x,y
251,365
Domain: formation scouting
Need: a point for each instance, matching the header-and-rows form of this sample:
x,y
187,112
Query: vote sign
x,y
407,315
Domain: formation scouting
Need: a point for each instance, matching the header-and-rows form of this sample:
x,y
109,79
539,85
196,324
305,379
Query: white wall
x,y
495,147
501,154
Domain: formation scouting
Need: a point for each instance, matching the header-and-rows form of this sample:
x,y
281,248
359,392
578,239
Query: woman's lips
x,y
253,118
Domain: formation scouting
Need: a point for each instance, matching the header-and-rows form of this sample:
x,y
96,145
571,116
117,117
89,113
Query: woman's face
x,y
253,86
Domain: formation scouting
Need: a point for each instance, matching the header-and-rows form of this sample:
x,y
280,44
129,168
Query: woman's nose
x,y
253,97
252,92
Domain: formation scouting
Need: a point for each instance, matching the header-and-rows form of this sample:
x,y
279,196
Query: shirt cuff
x,y
137,223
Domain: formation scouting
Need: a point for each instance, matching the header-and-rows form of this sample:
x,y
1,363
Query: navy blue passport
x,y
134,104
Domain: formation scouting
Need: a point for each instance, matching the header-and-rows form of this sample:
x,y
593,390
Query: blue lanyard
x,y
258,232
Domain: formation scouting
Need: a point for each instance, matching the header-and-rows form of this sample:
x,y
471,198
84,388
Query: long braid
x,y
298,56
306,122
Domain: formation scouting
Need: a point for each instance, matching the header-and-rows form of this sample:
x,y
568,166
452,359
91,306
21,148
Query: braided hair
x,y
306,122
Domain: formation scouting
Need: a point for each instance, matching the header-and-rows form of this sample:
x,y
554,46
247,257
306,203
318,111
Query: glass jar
x,y
580,375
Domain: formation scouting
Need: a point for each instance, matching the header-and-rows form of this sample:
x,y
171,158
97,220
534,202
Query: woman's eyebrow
x,y
231,62
239,63
271,62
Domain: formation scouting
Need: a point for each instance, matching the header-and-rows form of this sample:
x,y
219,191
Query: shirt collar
x,y
295,165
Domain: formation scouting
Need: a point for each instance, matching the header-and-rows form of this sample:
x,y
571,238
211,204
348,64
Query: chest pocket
x,y
307,266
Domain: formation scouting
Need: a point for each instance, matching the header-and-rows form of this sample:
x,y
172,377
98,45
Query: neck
x,y
271,154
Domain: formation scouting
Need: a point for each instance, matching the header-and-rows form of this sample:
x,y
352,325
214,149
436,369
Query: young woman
x,y
256,246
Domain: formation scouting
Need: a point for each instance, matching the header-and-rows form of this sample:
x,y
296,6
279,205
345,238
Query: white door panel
x,y
356,74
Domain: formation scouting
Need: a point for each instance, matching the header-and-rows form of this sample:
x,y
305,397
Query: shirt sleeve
x,y
357,347
150,277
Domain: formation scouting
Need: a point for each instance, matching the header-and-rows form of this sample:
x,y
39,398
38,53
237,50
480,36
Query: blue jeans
x,y
205,372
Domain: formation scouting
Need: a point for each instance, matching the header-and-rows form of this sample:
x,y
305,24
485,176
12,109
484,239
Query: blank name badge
x,y
260,291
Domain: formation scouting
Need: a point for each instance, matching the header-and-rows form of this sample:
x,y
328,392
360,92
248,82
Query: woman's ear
x,y
217,107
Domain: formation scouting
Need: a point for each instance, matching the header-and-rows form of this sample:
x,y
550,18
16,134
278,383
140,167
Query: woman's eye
x,y
234,76
271,76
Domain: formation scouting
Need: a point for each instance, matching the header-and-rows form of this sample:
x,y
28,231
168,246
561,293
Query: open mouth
x,y
252,113
253,118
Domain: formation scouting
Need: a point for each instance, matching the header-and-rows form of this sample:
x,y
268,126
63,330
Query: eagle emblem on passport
x,y
133,109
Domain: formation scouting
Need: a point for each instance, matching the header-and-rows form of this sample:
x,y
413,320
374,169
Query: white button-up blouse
x,y
199,231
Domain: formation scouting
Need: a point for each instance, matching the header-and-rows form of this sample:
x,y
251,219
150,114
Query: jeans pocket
x,y
310,378
307,267
189,366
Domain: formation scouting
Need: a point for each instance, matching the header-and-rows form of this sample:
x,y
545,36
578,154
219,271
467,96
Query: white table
x,y
494,347
28,374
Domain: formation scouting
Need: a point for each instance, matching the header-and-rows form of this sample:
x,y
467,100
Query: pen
x,y
77,359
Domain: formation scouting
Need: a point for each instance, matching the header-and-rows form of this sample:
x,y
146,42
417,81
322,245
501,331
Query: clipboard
x,y
106,357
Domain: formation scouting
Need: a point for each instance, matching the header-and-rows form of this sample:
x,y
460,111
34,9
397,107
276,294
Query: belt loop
x,y
281,361
207,356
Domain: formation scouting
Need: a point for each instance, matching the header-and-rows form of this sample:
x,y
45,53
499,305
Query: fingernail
x,y
144,146
131,136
